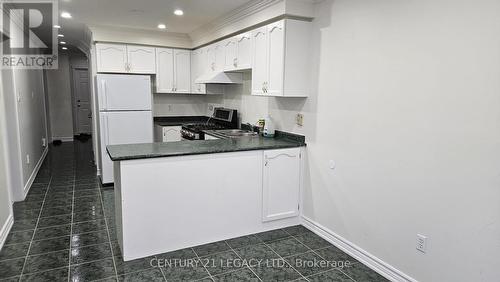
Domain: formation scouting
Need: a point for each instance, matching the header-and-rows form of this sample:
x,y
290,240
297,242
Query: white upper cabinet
x,y
276,54
220,56
121,58
164,70
198,67
111,57
141,59
238,52
281,59
173,70
244,51
230,54
182,71
260,65
210,56
281,184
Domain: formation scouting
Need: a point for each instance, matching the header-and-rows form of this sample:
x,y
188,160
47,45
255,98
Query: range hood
x,y
220,78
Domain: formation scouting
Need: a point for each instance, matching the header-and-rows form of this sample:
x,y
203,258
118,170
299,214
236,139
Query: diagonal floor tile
x,y
239,275
11,267
91,271
46,261
153,275
49,245
90,253
212,248
288,247
14,251
60,274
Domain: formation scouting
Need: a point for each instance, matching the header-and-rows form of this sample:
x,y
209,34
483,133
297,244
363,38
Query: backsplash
x,y
179,105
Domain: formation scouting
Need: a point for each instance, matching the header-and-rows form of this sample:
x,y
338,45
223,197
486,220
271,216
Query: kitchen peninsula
x,y
169,196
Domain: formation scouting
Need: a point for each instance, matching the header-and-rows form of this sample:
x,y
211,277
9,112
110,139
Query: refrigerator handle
x,y
106,130
104,94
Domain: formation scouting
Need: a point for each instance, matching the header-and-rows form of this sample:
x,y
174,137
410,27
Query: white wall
x,y
179,105
26,126
407,103
409,110
5,198
60,100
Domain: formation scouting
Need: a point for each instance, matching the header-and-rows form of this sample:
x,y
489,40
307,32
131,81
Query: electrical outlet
x,y
333,165
299,119
28,159
421,243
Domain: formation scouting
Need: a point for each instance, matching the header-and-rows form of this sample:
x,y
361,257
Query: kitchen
x,y
254,140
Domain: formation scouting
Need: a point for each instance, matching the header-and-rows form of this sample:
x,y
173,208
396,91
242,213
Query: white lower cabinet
x,y
168,133
281,184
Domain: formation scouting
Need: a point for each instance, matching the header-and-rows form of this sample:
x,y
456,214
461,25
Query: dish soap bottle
x,y
269,127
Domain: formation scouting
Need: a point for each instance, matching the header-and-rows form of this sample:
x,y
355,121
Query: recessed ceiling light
x,y
162,26
64,48
57,26
63,42
66,15
60,35
179,12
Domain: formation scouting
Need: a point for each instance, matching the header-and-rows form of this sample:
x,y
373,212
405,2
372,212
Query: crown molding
x,y
236,15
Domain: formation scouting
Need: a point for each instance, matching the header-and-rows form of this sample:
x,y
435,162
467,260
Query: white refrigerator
x,y
125,114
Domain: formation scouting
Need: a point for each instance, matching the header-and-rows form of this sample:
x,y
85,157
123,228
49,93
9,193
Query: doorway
x,y
82,114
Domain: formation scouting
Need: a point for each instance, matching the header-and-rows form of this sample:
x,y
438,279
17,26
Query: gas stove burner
x,y
203,126
221,119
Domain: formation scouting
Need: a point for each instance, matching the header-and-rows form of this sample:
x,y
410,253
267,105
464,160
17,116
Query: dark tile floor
x,y
64,231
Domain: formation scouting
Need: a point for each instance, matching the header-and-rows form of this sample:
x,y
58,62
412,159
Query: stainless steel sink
x,y
234,133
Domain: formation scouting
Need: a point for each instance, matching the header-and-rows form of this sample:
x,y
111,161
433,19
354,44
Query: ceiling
x,y
147,14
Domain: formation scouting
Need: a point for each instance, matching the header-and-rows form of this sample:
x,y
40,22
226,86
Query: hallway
x,y
64,231
62,218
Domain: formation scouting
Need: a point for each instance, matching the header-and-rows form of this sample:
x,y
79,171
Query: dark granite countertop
x,y
178,120
198,147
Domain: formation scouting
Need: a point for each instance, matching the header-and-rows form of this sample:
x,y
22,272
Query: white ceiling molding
x,y
248,15
139,36
205,33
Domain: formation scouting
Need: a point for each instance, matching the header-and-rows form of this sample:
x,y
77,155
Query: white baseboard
x,y
33,175
63,139
356,252
6,229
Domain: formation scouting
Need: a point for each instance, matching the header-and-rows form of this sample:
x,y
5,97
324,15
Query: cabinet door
x,y
281,187
260,64
230,54
276,43
210,63
182,71
219,56
198,66
172,133
244,51
141,59
195,69
164,70
111,57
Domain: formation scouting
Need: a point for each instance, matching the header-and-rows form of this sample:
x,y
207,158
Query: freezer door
x,y
124,92
123,128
